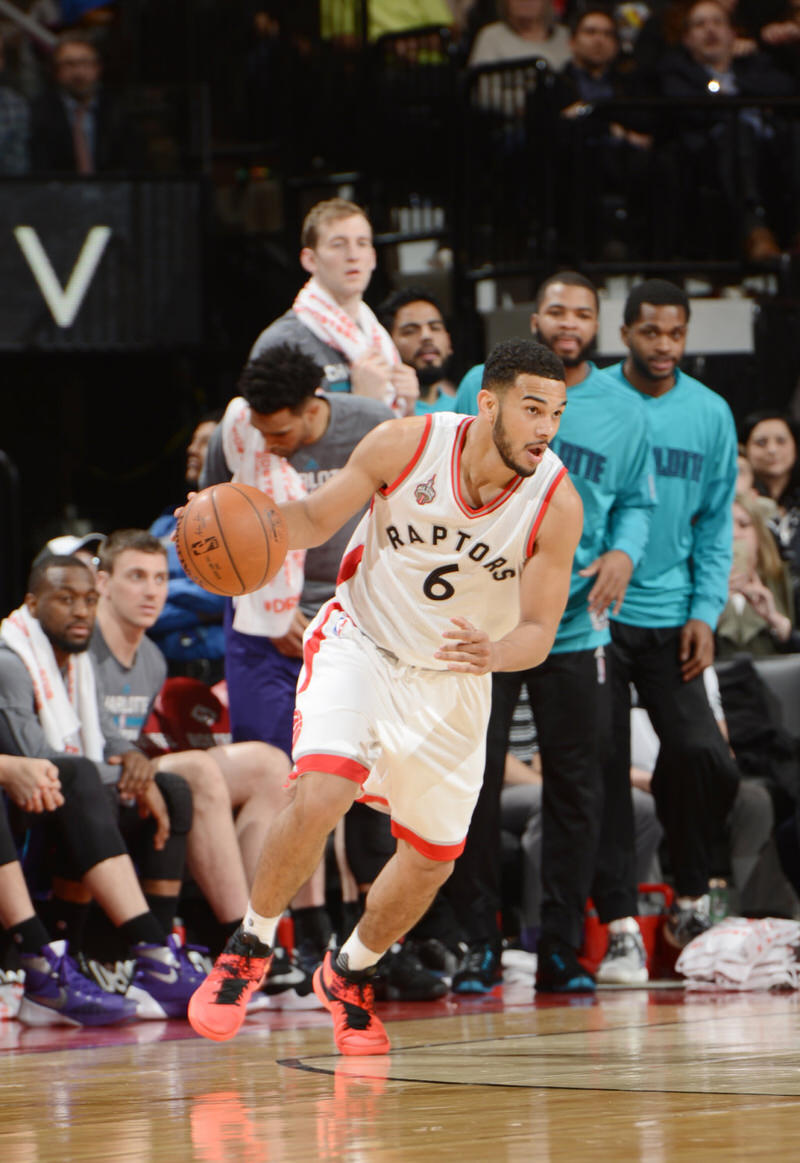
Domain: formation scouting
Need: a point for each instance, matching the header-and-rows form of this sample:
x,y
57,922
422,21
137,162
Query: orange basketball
x,y
231,539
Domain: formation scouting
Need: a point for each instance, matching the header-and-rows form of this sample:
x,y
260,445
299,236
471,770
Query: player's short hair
x,y
569,279
121,539
37,577
387,312
658,293
516,357
280,377
328,211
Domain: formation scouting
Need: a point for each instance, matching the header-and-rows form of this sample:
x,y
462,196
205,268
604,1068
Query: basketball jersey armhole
x,y
542,510
387,490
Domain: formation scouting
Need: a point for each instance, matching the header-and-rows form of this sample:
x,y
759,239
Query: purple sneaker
x,y
57,993
164,979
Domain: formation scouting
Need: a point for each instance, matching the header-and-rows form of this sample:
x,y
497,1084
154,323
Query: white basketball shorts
x,y
413,739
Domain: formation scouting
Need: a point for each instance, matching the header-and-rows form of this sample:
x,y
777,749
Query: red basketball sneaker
x,y
351,1004
218,1008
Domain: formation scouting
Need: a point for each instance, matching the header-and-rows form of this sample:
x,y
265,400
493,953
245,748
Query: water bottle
x,y
719,904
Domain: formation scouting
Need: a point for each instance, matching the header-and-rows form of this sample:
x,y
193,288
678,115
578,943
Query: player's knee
x,y
202,774
322,799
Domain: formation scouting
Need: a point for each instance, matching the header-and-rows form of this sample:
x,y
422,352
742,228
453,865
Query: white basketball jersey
x,y
421,555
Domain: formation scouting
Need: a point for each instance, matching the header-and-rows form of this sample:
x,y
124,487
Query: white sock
x,y
262,927
623,925
355,955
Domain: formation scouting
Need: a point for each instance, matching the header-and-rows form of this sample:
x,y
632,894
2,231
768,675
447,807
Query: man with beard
x,y
49,710
459,567
415,321
663,632
604,444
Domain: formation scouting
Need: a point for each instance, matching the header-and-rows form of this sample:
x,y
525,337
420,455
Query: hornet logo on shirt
x,y
424,492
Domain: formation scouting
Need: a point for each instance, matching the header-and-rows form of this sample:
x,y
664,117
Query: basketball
x,y
231,539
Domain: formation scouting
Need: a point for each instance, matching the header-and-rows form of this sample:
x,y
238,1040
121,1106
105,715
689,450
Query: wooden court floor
x,y
647,1075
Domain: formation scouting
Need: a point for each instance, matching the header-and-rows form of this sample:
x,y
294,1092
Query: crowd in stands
x,y
57,115
146,726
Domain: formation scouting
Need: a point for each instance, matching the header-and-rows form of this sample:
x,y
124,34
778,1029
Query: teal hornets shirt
x,y
604,441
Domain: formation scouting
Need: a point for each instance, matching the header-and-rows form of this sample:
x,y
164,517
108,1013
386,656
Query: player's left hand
x,y
137,773
696,648
612,572
471,650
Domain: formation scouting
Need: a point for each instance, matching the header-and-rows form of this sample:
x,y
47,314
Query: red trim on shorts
x,y
424,847
368,799
331,765
311,647
529,547
349,564
387,490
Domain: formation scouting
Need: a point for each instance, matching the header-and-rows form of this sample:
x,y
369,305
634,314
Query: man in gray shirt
x,y
329,319
48,710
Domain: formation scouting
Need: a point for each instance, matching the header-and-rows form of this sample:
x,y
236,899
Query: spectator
x,y
528,28
662,636
415,321
48,710
759,615
189,631
77,127
245,777
330,321
744,156
771,440
609,148
14,126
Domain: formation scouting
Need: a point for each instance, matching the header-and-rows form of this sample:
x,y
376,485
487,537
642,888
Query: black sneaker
x,y
480,969
401,976
558,969
284,974
685,923
435,956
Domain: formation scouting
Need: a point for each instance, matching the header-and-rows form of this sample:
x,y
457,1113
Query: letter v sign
x,y
64,303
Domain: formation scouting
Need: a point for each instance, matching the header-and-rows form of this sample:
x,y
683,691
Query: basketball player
x,y
461,566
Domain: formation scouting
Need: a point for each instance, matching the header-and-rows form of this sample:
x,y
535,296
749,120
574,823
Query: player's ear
x,y
308,260
101,580
487,402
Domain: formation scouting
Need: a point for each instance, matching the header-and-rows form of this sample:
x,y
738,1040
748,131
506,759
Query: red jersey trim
x,y
331,765
425,847
349,564
455,478
387,490
562,472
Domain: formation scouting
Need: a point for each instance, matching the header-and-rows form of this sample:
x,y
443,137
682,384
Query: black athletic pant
x,y
569,701
73,838
90,825
695,779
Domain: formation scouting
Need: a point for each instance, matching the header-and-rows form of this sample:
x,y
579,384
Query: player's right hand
x,y
178,513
